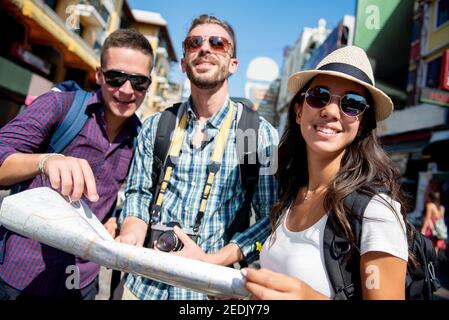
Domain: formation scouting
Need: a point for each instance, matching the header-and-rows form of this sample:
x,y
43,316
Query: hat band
x,y
347,69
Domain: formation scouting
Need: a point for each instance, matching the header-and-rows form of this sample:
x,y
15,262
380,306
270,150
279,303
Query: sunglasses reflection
x,y
216,43
351,104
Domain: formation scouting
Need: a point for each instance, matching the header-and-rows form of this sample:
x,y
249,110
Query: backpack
x,y
66,131
248,161
343,262
440,229
69,128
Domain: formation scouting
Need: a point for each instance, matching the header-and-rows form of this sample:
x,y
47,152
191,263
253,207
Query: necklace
x,y
310,193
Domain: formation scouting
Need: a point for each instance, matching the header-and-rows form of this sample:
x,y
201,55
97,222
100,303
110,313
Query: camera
x,y
166,238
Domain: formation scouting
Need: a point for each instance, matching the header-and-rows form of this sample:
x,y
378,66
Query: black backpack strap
x,y
342,261
249,166
162,141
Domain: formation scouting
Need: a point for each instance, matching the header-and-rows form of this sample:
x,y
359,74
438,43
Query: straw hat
x,y
349,63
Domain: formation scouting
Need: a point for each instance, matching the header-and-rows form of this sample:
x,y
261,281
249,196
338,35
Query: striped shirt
x,y
183,195
28,265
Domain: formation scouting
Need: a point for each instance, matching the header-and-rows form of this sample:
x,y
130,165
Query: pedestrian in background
x,y
434,226
92,166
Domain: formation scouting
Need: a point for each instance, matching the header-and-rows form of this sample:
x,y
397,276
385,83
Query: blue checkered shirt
x,y
184,191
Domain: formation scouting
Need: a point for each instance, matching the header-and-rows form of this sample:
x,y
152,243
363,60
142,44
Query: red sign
x,y
435,96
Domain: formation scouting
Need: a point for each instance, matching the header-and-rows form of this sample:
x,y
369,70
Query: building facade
x,y
48,41
160,94
312,45
45,42
409,52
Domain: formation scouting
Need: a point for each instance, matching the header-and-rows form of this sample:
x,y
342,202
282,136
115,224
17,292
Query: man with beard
x,y
209,59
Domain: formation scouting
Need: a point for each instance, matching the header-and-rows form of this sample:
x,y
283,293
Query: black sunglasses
x,y
219,45
116,79
351,104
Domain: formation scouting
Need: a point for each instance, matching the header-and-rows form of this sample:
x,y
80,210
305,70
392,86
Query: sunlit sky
x,y
263,27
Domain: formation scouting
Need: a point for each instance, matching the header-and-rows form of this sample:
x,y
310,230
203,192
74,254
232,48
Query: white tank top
x,y
300,254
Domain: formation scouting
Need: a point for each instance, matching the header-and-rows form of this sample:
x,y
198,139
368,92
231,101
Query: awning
x,y
406,147
438,144
439,135
53,24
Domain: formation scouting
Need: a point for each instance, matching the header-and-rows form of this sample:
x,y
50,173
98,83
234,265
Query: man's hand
x,y
72,176
133,231
111,226
129,238
227,255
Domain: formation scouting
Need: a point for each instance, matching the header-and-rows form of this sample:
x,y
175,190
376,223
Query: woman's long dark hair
x,y
365,167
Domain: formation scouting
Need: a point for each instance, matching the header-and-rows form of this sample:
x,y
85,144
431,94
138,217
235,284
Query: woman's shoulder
x,y
384,227
382,205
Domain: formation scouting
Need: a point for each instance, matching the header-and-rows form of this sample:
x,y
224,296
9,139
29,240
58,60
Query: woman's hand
x,y
264,284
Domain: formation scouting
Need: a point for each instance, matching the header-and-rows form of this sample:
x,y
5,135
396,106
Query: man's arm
x,y
133,231
265,194
73,176
134,218
227,255
18,167
25,135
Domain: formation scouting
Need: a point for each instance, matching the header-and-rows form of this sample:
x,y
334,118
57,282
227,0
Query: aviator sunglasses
x,y
218,45
351,104
116,79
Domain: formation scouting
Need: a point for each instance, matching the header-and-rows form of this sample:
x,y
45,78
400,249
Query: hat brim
x,y
383,106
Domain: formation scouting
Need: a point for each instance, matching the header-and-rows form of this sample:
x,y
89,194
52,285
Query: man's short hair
x,y
207,19
127,38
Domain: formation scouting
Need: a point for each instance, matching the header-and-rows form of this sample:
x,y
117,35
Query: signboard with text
x,y
435,96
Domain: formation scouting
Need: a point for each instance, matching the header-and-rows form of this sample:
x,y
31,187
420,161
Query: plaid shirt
x,y
183,195
29,265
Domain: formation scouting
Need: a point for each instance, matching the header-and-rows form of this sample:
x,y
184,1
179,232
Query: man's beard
x,y
207,81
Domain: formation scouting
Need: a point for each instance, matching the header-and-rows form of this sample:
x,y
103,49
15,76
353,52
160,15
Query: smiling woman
x,y
329,153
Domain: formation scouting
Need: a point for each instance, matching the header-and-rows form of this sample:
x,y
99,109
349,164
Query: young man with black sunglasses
x,y
204,193
92,166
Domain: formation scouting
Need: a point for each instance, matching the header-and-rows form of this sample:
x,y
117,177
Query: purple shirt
x,y
29,265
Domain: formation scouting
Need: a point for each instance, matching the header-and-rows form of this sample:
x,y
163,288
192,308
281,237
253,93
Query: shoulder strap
x,y
249,165
66,131
162,141
72,124
341,260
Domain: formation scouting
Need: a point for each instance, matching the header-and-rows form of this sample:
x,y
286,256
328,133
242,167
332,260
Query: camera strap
x,y
213,167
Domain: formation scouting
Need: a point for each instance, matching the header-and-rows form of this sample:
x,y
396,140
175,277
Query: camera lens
x,y
168,241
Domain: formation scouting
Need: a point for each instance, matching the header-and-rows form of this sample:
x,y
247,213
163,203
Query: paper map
x,y
44,215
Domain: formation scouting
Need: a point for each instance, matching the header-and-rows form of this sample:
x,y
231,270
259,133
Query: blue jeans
x,y
87,293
